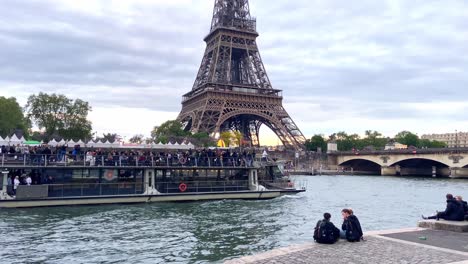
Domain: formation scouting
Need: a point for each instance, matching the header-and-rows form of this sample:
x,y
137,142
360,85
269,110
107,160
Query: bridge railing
x,y
403,151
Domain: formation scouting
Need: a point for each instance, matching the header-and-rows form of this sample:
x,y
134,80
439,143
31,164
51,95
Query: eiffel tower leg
x,y
254,133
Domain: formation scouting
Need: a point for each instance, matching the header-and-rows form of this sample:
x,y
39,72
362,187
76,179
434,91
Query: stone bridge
x,y
434,162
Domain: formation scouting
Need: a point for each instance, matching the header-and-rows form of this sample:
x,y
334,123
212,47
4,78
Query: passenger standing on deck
x,y
264,155
16,183
352,230
453,212
28,180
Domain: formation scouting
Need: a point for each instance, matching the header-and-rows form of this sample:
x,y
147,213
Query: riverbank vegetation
x,y
372,140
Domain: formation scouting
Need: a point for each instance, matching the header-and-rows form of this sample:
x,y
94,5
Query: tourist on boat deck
x,y
264,155
351,227
28,180
465,206
16,184
453,212
325,231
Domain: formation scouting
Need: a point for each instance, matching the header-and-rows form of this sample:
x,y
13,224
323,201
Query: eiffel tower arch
x,y
232,90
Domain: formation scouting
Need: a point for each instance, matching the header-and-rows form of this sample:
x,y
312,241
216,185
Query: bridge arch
x,y
406,160
361,165
463,162
419,166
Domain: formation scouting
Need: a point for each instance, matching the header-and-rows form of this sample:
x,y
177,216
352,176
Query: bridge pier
x,y
389,171
458,172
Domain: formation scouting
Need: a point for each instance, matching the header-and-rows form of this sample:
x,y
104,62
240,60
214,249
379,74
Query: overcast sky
x,y
343,65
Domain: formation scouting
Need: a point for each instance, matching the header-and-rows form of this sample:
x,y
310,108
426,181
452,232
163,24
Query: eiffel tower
x,y
232,90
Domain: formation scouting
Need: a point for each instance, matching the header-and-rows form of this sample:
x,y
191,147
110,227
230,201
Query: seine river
x,y
209,232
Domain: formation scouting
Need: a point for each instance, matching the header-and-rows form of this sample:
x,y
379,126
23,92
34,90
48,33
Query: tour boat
x,y
65,181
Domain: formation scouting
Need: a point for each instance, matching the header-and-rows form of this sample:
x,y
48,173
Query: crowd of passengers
x,y
115,157
19,177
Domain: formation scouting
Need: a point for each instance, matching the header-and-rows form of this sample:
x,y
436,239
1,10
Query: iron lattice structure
x,y
232,90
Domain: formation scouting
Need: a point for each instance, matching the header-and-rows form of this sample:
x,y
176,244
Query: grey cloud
x,y
369,55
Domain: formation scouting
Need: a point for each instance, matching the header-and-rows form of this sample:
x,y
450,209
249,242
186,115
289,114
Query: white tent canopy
x,y
53,142
15,140
81,143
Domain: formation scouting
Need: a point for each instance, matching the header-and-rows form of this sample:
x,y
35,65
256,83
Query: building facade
x,y
395,145
452,140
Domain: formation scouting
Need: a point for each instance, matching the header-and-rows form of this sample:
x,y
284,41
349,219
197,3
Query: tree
x,y
226,136
170,130
111,137
202,139
316,142
12,117
137,139
237,137
407,138
426,143
60,116
374,139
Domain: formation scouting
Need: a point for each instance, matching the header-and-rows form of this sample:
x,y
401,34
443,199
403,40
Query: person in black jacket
x,y
352,230
325,231
464,204
453,212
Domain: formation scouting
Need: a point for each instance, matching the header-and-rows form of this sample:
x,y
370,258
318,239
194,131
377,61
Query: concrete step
x,y
454,226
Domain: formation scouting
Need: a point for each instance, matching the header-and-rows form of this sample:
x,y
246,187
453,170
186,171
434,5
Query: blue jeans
x,y
343,234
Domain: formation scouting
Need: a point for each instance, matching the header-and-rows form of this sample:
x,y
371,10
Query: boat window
x,y
59,176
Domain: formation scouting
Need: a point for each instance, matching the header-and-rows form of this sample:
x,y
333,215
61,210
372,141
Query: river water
x,y
209,232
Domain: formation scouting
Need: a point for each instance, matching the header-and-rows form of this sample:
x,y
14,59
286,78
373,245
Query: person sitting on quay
x,y
453,212
325,231
465,206
351,227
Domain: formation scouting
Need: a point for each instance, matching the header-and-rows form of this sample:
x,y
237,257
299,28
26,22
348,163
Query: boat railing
x,y
58,160
90,189
202,186
43,191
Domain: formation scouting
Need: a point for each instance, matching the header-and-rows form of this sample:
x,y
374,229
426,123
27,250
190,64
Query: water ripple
x,y
209,232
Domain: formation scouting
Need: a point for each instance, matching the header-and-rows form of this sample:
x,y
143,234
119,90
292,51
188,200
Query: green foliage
x,y
347,142
237,138
12,118
111,137
169,130
37,136
202,139
60,116
407,138
411,139
137,139
425,143
226,136
317,141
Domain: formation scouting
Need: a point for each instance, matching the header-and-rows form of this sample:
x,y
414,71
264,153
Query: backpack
x,y
325,233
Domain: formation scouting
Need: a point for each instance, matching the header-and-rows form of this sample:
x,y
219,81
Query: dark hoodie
x,y
454,211
353,229
465,207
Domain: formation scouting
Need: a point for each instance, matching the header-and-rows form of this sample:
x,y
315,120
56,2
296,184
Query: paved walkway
x,y
383,247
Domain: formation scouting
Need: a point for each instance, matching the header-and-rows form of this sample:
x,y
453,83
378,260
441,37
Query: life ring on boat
x,y
182,160
290,184
182,187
